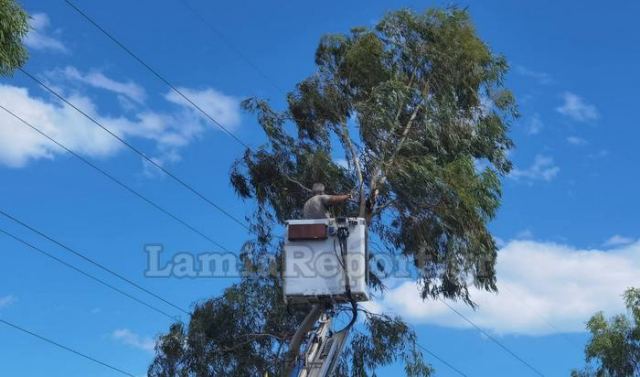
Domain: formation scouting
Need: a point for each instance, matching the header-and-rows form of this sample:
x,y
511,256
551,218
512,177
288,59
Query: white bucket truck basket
x,y
313,263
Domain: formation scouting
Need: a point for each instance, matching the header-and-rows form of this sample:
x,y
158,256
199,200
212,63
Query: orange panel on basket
x,y
300,232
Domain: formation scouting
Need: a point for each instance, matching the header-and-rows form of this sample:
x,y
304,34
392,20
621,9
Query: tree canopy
x,y
417,108
614,347
13,28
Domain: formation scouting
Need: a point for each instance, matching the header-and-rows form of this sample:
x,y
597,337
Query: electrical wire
x,y
137,151
155,73
86,274
544,318
114,179
230,45
493,339
78,353
171,86
93,262
442,360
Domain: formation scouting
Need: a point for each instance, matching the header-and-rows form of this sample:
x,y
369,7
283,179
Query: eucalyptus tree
x,y
412,117
614,347
13,28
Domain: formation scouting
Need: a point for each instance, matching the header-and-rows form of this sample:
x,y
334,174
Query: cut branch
x,y
353,156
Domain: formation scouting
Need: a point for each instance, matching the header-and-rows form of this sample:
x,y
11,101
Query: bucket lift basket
x,y
314,270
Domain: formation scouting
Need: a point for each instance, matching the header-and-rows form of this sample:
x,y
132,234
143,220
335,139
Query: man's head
x,y
318,189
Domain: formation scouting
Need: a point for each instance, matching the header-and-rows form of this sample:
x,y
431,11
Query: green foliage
x,y
13,28
245,332
241,333
372,350
614,348
415,105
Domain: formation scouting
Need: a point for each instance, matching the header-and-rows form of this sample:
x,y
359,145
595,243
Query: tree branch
x,y
346,140
297,183
403,137
377,176
252,338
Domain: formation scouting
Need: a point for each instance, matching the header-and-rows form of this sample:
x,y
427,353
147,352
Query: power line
x,y
230,45
137,151
158,75
173,88
86,274
493,339
443,361
93,262
114,179
47,340
545,319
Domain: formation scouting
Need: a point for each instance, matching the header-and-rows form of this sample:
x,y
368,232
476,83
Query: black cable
x,y
343,235
155,73
493,339
443,361
137,151
47,340
66,264
114,179
173,88
230,45
93,262
551,325
354,316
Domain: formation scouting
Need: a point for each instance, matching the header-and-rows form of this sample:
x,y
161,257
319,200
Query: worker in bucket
x,y
317,206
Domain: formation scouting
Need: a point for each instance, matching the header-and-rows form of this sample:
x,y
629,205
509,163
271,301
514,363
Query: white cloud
x,y
544,288
97,79
7,300
617,240
524,234
535,125
170,131
37,37
132,339
577,108
602,153
575,140
541,77
221,107
543,168
19,145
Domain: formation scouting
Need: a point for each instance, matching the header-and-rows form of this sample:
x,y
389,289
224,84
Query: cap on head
x,y
317,189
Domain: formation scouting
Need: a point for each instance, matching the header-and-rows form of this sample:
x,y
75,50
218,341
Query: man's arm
x,y
337,199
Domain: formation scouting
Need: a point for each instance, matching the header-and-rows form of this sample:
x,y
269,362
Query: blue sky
x,y
568,236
